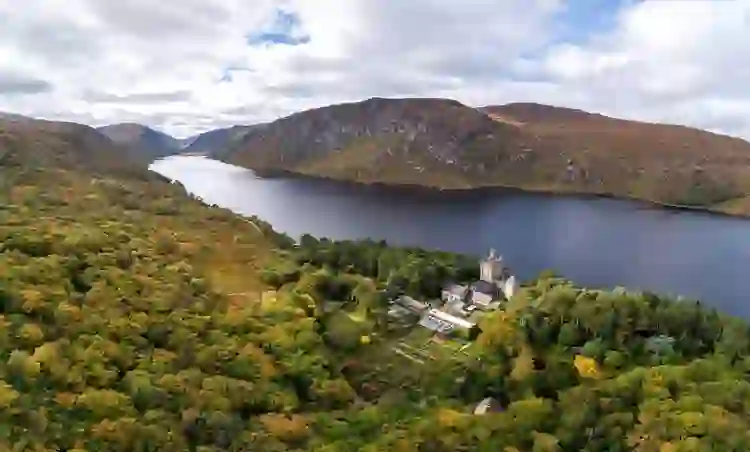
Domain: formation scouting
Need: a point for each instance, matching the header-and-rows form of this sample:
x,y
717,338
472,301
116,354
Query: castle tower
x,y
491,270
510,287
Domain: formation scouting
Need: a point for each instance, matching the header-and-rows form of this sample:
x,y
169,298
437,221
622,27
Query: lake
x,y
593,241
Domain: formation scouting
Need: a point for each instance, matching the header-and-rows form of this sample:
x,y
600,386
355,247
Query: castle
x,y
494,285
462,305
493,271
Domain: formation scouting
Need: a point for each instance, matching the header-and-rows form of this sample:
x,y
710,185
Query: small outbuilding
x,y
488,405
443,322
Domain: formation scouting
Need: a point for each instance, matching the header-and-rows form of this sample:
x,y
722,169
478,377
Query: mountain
x,y
218,141
149,142
660,162
430,142
443,143
186,142
28,142
4,116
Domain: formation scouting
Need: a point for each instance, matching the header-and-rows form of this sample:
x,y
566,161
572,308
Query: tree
x,y
587,367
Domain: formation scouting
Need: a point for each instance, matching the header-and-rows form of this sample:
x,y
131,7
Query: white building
x,y
492,269
495,283
443,322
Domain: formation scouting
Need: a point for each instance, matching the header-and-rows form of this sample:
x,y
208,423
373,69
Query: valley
x,y
136,316
374,226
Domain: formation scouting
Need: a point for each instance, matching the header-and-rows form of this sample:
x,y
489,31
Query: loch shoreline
x,y
501,189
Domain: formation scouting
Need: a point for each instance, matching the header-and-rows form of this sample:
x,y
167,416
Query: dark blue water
x,y
596,242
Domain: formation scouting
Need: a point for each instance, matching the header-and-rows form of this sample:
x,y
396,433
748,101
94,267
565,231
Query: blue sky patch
x,y
282,31
580,20
226,75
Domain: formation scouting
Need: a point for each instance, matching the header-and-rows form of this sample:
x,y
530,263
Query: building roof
x,y
434,324
484,287
487,405
445,317
481,298
456,289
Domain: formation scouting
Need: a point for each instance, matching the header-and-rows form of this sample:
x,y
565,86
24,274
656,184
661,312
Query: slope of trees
x,y
134,318
572,368
116,332
414,271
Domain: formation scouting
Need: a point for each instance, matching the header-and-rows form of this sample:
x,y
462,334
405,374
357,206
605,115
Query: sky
x,y
187,66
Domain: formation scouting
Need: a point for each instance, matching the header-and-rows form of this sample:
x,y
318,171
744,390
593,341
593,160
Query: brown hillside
x,y
147,142
433,142
219,141
442,143
523,112
662,162
31,142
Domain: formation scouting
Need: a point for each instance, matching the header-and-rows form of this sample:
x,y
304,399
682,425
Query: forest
x,y
135,318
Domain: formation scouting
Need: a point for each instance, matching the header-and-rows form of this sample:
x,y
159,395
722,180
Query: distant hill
x,y
218,141
142,139
186,142
443,143
32,142
13,117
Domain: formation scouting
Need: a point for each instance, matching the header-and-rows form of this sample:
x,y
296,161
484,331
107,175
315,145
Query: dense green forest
x,y
135,318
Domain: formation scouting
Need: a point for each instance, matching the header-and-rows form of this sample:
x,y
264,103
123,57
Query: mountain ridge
x,y
142,139
30,142
442,143
218,141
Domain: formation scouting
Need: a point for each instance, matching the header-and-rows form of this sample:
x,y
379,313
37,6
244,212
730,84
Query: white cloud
x,y
186,66
670,61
